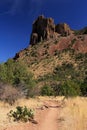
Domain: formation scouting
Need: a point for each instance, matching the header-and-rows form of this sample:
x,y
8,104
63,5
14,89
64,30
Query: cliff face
x,y
44,29
63,29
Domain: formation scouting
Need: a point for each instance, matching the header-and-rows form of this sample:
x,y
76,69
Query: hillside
x,y
44,56
57,58
56,48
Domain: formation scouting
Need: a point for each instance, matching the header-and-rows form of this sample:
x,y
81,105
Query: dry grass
x,y
5,108
30,103
74,115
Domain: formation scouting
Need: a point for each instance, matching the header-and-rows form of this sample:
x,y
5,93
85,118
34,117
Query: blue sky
x,y
16,17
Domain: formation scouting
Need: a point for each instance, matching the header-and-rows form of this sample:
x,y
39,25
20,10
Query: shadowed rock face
x,y
43,28
63,29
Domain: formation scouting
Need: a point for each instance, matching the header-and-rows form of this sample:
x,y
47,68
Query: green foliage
x,y
17,74
47,91
83,87
81,32
21,114
56,88
77,32
10,68
3,75
34,53
72,42
56,53
69,79
64,72
70,89
85,31
80,56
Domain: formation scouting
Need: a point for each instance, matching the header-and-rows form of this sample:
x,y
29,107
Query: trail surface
x,y
47,119
50,121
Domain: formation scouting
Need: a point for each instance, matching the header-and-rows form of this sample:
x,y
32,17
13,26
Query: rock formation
x,y
63,29
43,28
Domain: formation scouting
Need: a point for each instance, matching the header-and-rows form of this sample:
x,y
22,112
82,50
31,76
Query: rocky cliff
x,y
45,29
52,45
63,29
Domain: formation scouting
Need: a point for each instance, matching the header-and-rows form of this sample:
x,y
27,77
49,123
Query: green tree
x,y
3,75
17,74
47,90
10,67
70,89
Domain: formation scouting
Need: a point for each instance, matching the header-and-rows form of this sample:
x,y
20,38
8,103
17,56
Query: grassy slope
x,y
43,57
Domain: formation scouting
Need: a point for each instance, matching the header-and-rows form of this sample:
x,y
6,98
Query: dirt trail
x,y
47,119
50,122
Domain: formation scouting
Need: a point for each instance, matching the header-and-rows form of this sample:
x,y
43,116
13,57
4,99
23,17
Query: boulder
x,y
34,38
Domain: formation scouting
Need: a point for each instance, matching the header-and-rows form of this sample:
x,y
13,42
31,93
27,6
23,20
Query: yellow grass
x,y
5,108
74,115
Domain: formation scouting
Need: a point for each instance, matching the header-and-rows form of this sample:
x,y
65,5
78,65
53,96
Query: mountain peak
x,y
53,45
45,29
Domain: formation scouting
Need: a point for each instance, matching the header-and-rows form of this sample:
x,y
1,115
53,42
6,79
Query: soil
x,y
46,118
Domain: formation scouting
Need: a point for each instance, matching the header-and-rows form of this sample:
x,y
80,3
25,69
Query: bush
x,y
80,56
21,114
8,93
17,74
70,89
56,87
83,87
47,91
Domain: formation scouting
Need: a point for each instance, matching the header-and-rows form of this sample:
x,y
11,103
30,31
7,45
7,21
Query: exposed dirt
x,y
46,118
